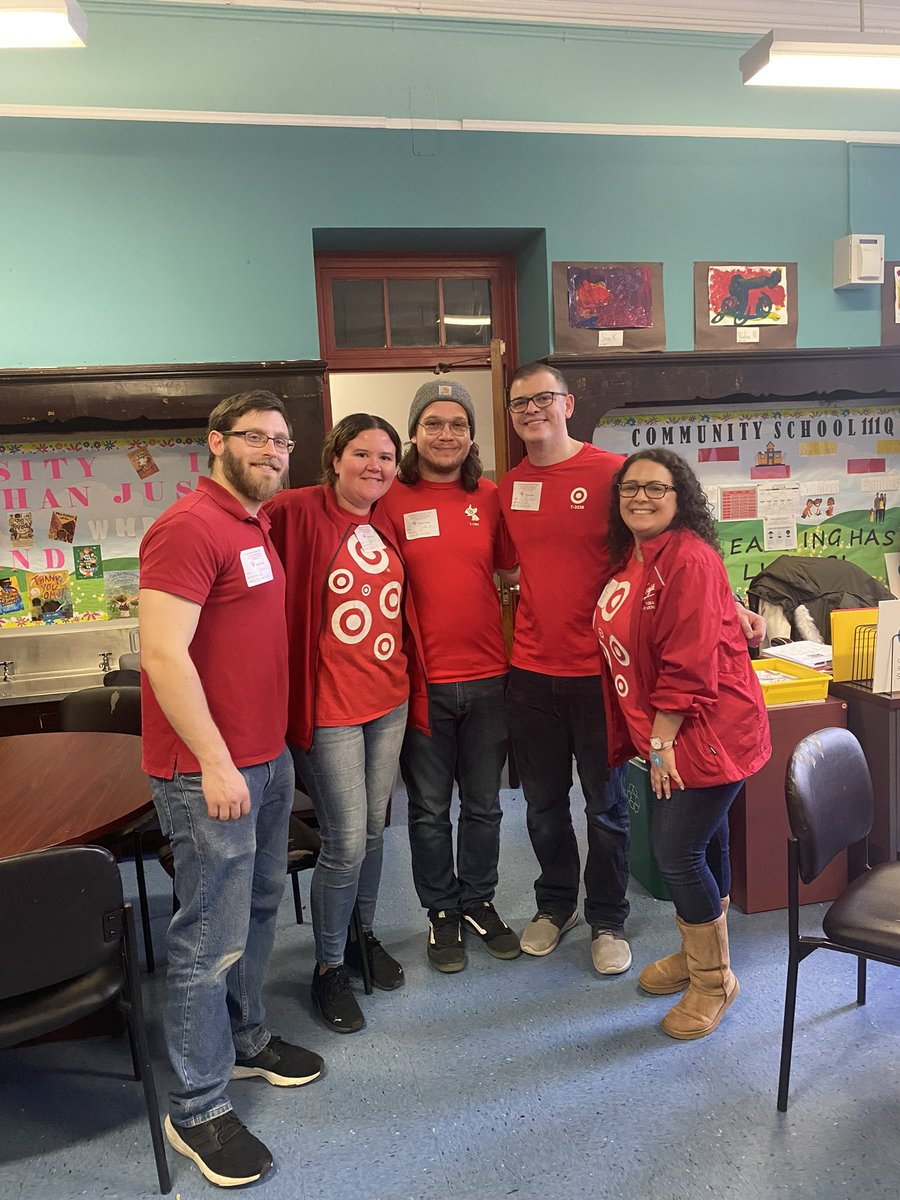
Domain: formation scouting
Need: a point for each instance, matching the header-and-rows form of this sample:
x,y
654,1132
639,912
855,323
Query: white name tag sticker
x,y
421,524
369,541
526,497
257,568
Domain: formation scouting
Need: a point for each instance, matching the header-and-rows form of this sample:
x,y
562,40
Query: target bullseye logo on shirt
x,y
578,496
613,597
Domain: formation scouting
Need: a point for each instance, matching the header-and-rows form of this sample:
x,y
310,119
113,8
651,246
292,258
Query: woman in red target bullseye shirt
x,y
681,691
348,617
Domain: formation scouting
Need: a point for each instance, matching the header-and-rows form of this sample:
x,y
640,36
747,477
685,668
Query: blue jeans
x,y
467,744
552,718
689,839
349,773
229,879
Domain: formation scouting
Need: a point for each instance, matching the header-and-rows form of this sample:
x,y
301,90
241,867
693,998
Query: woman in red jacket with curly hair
x,y
682,693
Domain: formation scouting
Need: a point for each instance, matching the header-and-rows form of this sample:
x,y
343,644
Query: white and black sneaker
x,y
445,947
497,936
224,1149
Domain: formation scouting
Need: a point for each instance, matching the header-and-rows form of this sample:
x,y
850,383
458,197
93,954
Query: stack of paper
x,y
806,654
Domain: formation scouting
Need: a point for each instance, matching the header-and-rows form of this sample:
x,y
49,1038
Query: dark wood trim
x,y
825,376
134,398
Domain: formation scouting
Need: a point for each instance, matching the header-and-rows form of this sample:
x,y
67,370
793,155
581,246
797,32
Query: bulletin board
x,y
806,480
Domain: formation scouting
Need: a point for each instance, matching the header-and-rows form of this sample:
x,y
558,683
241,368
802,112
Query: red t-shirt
x,y
612,624
557,517
362,666
208,549
451,541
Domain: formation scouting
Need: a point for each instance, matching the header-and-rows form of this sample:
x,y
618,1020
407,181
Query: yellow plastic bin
x,y
786,682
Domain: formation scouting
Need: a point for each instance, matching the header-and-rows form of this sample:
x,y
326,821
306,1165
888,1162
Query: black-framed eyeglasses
x,y
541,400
654,490
458,426
258,439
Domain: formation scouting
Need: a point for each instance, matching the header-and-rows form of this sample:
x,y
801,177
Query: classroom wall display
x,y
73,511
807,480
890,305
608,307
745,305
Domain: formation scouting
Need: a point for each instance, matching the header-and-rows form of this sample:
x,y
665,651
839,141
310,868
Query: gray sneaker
x,y
610,952
544,930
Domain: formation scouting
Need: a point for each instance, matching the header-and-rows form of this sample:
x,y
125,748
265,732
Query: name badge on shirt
x,y
421,524
257,568
526,497
369,541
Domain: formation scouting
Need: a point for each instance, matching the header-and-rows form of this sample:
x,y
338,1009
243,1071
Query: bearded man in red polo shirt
x,y
214,702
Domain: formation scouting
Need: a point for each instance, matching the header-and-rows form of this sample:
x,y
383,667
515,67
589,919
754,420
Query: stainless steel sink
x,y
55,685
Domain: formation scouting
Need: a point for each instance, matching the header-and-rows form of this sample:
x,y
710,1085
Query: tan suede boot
x,y
670,974
712,987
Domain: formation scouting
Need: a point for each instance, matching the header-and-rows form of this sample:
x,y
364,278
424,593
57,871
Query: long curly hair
x,y
692,511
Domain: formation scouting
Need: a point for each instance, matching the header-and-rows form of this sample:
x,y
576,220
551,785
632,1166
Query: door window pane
x,y
414,312
358,306
467,312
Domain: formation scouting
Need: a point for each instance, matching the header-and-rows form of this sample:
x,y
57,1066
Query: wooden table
x,y
60,789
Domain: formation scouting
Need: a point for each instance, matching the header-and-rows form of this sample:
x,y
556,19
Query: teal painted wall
x,y
139,243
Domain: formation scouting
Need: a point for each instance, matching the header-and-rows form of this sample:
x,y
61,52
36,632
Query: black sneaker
x,y
224,1149
497,936
445,947
386,972
280,1063
335,1002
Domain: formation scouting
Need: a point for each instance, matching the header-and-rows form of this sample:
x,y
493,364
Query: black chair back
x,y
828,791
60,916
101,710
122,677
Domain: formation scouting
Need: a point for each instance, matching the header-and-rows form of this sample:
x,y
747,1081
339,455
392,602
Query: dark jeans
x,y
552,718
689,839
468,744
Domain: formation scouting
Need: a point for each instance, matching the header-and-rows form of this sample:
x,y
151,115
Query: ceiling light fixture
x,y
41,24
796,58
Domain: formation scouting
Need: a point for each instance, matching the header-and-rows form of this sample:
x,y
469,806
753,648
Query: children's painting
x,y
743,295
890,305
611,297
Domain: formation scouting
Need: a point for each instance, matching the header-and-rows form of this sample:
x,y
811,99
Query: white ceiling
x,y
718,16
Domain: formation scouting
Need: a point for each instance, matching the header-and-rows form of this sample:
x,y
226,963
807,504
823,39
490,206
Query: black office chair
x,y
122,677
67,939
115,710
830,807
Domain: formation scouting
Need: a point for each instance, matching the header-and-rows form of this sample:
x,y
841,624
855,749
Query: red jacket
x,y
691,657
308,528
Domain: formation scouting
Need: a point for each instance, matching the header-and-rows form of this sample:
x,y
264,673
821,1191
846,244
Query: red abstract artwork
x,y
748,295
610,298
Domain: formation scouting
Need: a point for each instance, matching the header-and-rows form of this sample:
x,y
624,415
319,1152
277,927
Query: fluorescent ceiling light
x,y
41,24
467,320
794,58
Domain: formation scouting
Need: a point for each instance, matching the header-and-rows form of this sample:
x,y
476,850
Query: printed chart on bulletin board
x,y
74,511
798,481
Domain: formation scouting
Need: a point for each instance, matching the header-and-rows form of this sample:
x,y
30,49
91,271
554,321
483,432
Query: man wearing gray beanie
x,y
448,526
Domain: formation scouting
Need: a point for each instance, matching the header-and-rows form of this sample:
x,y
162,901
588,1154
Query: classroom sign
x,y
815,481
72,515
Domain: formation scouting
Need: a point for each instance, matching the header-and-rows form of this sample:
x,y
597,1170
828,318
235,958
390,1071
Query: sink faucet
x,y
8,669
106,660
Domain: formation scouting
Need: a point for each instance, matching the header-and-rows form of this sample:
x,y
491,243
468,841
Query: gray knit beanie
x,y
440,389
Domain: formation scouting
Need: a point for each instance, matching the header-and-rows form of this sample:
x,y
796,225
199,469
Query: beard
x,y
257,488
442,466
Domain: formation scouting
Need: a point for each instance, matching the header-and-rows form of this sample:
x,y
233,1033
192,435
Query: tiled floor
x,y
535,1079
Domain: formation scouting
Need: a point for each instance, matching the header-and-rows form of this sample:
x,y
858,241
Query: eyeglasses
x,y
542,400
433,426
654,490
253,437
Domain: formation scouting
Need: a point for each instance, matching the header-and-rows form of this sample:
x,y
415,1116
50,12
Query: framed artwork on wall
x,y
890,305
745,306
603,308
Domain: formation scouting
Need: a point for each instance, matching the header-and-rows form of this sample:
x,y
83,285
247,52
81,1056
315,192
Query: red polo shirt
x,y
210,550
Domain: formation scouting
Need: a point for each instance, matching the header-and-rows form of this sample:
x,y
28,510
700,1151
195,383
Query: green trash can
x,y
640,798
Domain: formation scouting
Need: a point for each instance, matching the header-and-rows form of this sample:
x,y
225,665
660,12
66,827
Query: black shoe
x,y
224,1149
497,936
445,947
335,1002
386,972
280,1063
